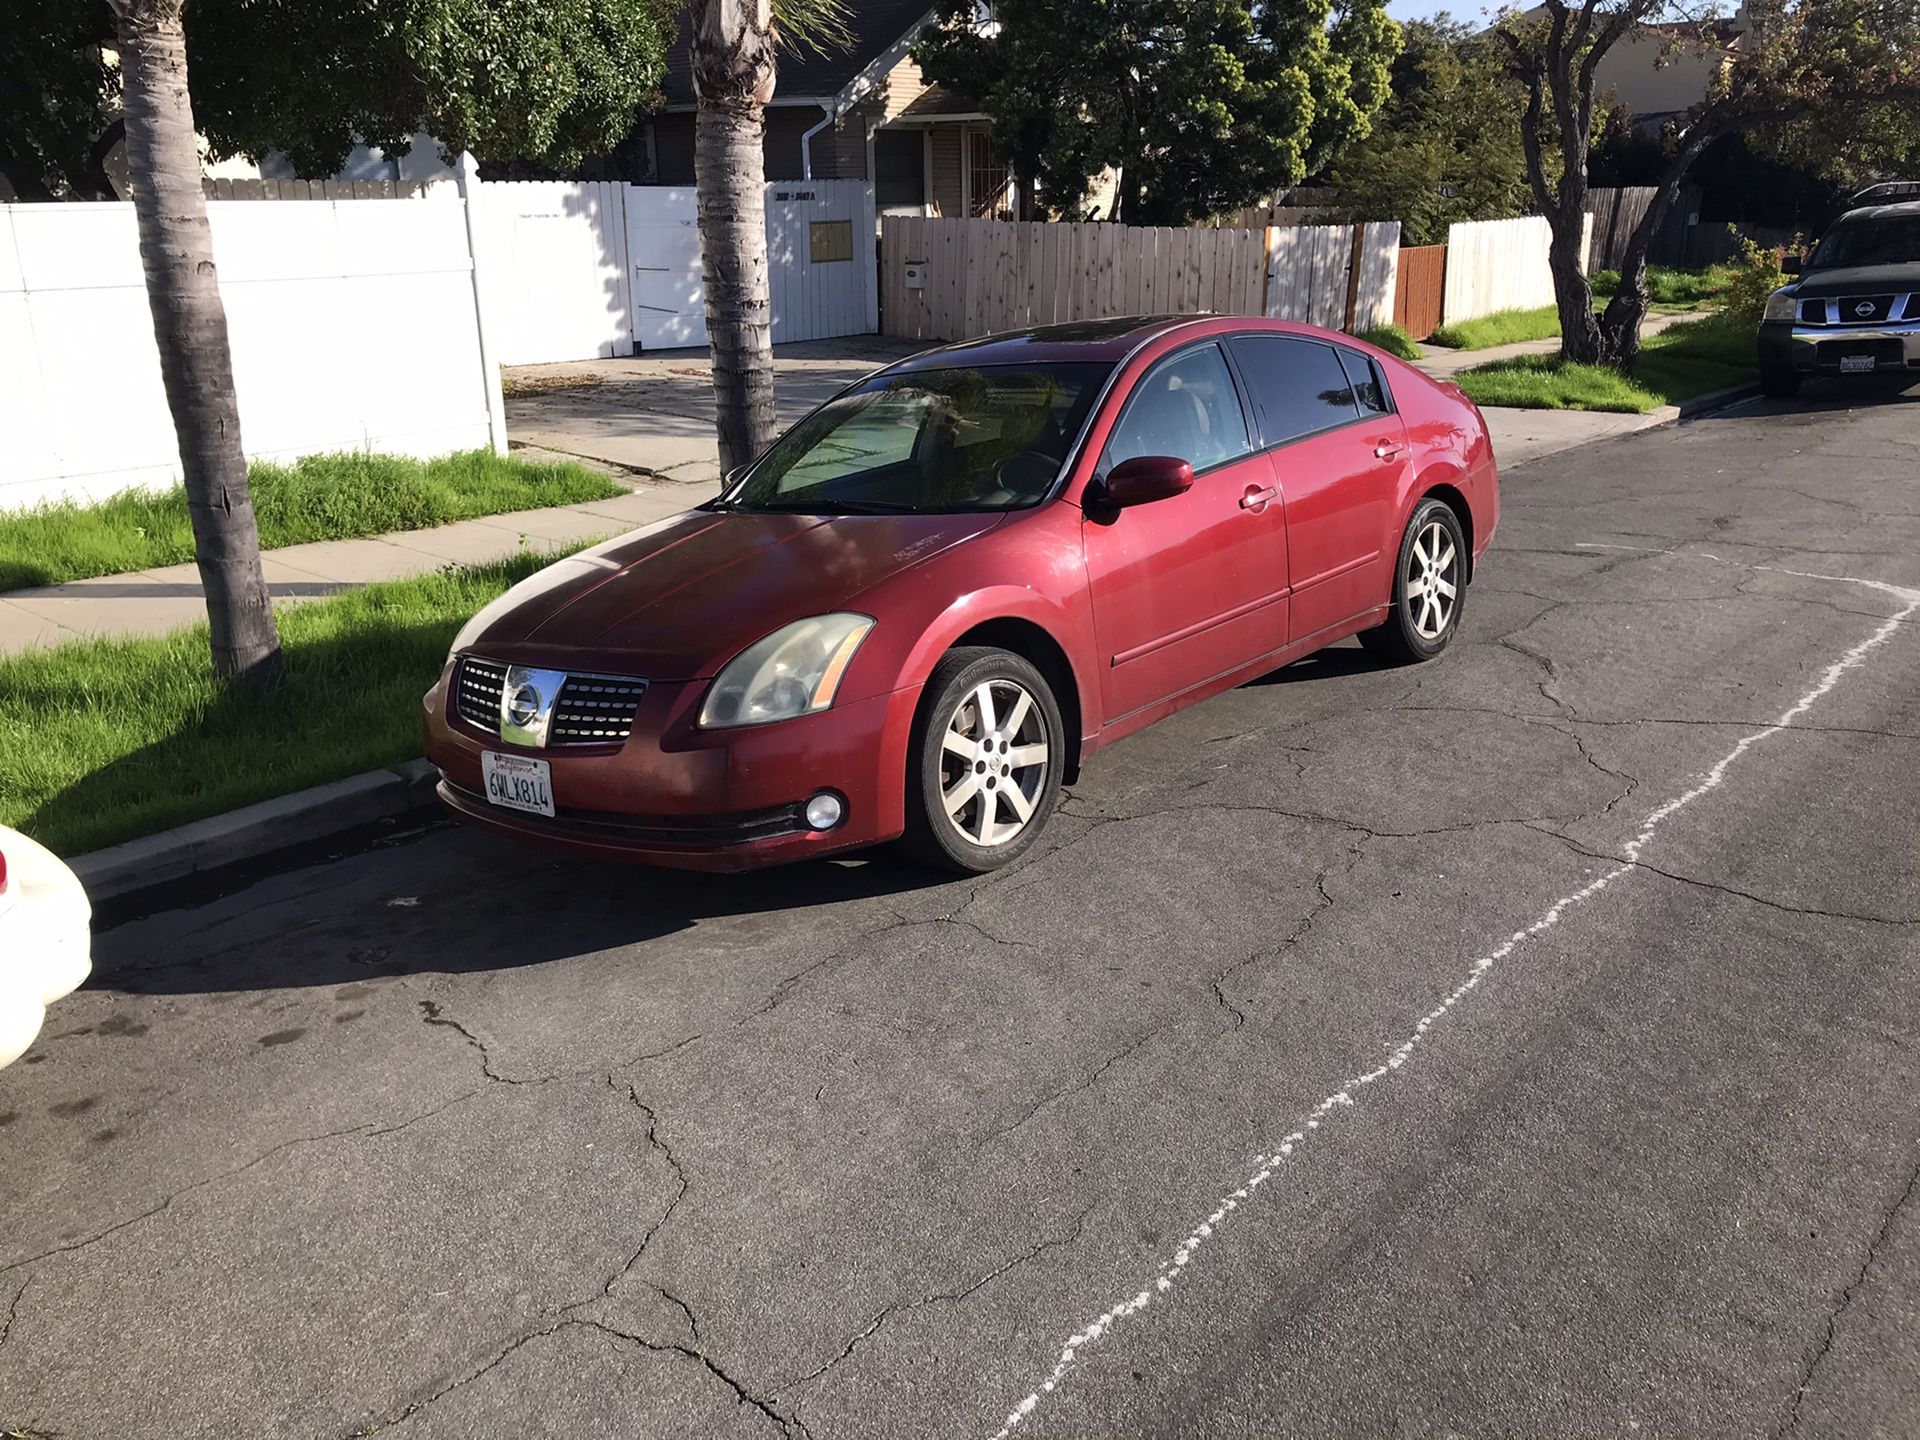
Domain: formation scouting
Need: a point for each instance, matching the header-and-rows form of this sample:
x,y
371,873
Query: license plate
x,y
1855,364
517,783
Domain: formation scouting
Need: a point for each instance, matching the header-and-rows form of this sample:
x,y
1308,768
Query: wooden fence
x,y
955,279
1617,211
322,189
1338,276
1421,289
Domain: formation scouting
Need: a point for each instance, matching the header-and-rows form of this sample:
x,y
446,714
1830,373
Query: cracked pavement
x,y
441,1137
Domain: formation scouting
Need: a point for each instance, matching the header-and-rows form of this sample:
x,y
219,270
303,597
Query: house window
x,y
987,193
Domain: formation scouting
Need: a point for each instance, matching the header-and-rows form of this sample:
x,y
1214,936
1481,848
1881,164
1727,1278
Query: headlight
x,y
794,671
1781,306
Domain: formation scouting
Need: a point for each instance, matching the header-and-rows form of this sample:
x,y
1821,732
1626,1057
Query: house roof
x,y
876,25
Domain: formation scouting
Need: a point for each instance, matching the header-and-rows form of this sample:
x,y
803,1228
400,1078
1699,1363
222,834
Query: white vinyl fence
x,y
571,270
378,323
1500,265
353,325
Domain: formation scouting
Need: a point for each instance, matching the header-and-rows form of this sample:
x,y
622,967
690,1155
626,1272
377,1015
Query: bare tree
x,y
1834,58
190,327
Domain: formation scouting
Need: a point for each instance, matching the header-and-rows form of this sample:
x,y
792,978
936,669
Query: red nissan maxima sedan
x,y
922,609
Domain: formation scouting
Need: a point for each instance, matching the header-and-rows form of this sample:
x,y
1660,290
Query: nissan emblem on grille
x,y
526,705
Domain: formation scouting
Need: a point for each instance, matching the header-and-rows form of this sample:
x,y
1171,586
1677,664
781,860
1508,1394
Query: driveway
x,y
653,414
1524,1044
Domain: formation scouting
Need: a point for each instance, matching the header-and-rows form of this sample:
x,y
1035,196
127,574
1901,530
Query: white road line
x,y
1344,1097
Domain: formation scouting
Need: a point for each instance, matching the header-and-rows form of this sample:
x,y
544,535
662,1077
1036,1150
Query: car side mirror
x,y
1146,478
1790,265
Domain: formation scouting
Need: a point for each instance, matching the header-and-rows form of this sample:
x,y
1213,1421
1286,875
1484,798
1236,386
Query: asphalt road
x,y
1523,1044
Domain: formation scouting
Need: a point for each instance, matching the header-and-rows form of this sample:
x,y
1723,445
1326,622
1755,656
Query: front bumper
x,y
1817,349
674,795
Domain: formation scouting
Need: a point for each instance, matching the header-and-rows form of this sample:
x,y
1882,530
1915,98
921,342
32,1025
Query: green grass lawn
x,y
1669,289
1393,340
105,740
1503,327
323,497
1677,364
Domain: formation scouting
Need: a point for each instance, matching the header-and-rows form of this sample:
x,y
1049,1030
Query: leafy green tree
x,y
1444,148
547,80
59,98
1199,106
1823,70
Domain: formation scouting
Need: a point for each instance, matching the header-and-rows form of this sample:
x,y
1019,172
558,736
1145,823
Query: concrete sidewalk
x,y
1439,361
653,414
1520,436
153,602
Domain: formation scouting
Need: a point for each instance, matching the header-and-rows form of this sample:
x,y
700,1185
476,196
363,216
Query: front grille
x,y
1813,312
1912,312
589,710
477,691
594,710
1864,309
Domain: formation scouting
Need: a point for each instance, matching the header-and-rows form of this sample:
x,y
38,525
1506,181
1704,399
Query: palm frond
x,y
817,27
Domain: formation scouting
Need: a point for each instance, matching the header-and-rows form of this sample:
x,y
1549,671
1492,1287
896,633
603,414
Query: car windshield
x,y
1889,240
987,438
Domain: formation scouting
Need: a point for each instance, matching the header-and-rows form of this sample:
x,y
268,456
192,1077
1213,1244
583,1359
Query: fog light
x,y
825,810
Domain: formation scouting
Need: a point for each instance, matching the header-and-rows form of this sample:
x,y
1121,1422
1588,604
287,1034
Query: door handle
x,y
1257,496
1386,450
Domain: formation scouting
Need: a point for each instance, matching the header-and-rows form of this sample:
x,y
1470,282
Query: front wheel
x,y
1429,588
1779,382
983,772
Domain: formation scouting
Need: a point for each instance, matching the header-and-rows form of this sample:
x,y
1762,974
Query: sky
x,y
1475,10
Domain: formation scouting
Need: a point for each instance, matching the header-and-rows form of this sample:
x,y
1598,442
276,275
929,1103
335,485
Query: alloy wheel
x,y
1432,581
993,763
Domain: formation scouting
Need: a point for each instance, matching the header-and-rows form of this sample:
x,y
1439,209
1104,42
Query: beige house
x,y
1659,72
864,113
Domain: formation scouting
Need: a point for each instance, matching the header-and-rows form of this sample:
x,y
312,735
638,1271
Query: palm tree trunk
x,y
190,326
733,73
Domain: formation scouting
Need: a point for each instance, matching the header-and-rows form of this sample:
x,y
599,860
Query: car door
x,y
1338,453
1189,587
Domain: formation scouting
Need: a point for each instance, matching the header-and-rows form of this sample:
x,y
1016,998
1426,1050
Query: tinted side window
x,y
1185,407
1368,392
1298,386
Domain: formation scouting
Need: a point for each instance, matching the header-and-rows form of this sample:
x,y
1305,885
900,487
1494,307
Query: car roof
x,y
1105,341
1867,214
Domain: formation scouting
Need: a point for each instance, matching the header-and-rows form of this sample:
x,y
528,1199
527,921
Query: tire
x,y
984,830
1413,630
1779,382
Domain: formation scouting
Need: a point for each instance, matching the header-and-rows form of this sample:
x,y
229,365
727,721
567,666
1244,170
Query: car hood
x,y
678,599
1859,280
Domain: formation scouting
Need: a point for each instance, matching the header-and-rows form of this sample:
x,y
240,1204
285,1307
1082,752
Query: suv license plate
x,y
517,783
1855,364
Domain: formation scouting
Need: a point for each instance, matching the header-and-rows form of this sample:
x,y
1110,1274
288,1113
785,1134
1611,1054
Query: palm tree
x,y
190,326
734,45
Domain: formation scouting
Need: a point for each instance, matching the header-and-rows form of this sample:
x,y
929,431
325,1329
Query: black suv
x,y
1855,308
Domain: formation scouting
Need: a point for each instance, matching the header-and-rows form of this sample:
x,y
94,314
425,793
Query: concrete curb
x,y
1717,399
255,830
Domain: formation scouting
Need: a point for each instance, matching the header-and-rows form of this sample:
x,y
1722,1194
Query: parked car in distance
x,y
1854,308
46,938
929,602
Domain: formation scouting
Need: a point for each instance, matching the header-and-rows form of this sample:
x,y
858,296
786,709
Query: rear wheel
x,y
1429,588
1779,382
984,768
